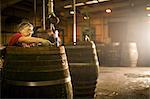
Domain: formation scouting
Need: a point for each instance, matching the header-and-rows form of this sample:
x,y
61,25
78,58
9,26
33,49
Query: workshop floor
x,y
123,83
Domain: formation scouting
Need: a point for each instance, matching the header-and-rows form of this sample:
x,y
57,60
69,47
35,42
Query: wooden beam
x,y
21,8
111,5
7,3
99,7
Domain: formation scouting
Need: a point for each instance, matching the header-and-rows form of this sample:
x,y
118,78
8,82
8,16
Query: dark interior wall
x,y
14,11
117,31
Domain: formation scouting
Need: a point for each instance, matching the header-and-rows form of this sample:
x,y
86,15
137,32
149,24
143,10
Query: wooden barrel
x,y
112,54
37,72
101,53
129,54
133,54
2,52
109,54
84,65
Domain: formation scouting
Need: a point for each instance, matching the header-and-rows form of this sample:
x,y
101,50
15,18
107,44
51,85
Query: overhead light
x,y
102,0
78,4
68,6
83,3
86,17
147,8
71,12
108,10
148,14
91,2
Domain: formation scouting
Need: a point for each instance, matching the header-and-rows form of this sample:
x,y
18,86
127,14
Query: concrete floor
x,y
123,83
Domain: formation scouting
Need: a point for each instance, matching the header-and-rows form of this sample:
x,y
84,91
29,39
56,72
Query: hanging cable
x,y
44,15
35,12
53,20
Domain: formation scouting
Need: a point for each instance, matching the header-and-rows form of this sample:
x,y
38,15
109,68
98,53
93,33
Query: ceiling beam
x,y
99,7
117,5
21,8
7,3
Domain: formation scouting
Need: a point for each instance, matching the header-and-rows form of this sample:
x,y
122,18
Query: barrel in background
x,y
143,53
118,54
83,64
129,54
133,54
100,53
37,72
109,54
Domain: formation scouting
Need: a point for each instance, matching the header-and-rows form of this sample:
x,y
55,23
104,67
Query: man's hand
x,y
51,44
47,43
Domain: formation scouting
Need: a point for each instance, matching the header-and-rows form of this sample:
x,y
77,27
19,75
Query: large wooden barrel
x,y
83,64
37,72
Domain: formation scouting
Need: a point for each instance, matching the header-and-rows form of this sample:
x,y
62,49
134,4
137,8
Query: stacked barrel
x,y
118,54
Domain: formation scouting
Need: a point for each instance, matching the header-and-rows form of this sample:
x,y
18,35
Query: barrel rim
x,y
39,83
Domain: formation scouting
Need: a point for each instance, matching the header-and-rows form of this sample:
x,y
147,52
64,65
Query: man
x,y
23,37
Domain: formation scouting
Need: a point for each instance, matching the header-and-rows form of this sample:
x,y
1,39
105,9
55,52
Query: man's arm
x,y
34,40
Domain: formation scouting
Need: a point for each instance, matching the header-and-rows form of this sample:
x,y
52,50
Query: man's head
x,y
26,29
